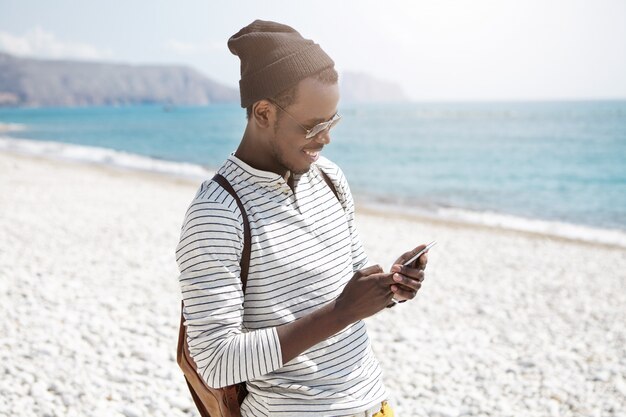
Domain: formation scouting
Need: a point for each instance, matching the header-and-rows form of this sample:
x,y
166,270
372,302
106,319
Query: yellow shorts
x,y
385,411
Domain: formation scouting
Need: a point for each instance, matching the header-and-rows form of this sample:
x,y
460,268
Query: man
x,y
297,337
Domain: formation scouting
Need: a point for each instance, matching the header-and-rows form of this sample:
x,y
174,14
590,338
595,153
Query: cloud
x,y
190,48
39,43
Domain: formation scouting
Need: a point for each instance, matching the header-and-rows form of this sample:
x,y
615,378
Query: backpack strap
x,y
247,241
209,401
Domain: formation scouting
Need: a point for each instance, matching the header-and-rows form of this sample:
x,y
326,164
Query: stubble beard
x,y
279,156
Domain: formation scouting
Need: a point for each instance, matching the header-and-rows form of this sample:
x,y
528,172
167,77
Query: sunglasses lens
x,y
316,129
322,126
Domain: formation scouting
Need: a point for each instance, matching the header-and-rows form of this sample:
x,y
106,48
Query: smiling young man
x,y
296,337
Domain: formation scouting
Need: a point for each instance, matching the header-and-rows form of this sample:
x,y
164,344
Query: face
x,y
316,102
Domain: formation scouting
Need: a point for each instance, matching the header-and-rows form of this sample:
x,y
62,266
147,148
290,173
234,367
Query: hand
x,y
365,294
408,279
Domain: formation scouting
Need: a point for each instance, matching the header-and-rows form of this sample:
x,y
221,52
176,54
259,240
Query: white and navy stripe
x,y
305,247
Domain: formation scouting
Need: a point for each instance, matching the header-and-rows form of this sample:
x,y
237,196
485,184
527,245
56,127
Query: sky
x,y
439,50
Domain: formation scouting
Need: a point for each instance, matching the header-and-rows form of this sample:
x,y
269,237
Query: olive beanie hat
x,y
274,57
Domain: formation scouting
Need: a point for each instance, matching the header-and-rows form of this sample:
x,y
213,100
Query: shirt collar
x,y
266,175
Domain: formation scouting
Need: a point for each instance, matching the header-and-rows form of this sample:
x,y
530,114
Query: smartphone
x,y
420,253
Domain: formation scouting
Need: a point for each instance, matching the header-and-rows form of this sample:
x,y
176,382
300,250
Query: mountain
x,y
30,82
358,87
38,83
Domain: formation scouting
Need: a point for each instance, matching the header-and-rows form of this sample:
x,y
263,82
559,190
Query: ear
x,y
263,114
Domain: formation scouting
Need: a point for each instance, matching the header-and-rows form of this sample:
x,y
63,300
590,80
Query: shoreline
x,y
451,222
194,174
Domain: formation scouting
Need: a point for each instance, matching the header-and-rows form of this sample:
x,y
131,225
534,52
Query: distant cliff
x,y
358,87
29,82
34,83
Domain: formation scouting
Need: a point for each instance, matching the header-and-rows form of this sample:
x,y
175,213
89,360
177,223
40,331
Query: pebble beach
x,y
506,323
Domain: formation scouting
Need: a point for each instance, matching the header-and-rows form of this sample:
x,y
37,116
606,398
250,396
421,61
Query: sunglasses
x,y
318,128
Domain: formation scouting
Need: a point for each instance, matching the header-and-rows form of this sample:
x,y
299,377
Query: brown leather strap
x,y
247,241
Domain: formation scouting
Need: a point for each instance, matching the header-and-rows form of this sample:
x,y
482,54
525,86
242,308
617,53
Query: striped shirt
x,y
305,248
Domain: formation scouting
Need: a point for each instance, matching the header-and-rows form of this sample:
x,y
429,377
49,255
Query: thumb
x,y
373,269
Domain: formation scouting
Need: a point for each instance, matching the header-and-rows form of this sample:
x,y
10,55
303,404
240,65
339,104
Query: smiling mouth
x,y
312,155
313,151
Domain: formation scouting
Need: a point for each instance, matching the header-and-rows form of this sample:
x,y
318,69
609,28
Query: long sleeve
x,y
208,257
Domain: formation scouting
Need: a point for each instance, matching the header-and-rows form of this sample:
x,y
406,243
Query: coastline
x,y
506,323
386,212
195,174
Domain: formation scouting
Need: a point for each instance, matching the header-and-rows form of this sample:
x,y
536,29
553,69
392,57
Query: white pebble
x,y
131,411
179,402
443,411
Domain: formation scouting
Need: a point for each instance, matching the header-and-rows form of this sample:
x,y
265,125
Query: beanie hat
x,y
274,57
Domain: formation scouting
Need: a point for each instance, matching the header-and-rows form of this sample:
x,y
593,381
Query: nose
x,y
323,137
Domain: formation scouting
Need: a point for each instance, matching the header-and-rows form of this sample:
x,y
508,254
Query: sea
x,y
556,168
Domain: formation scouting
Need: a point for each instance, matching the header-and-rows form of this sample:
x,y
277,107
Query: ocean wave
x,y
11,127
109,157
104,156
612,237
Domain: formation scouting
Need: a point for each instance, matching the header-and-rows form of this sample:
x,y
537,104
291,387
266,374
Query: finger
x,y
373,269
408,255
419,263
422,261
385,280
413,273
405,281
400,293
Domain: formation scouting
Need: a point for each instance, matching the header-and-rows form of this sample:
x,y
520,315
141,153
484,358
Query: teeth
x,y
311,153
